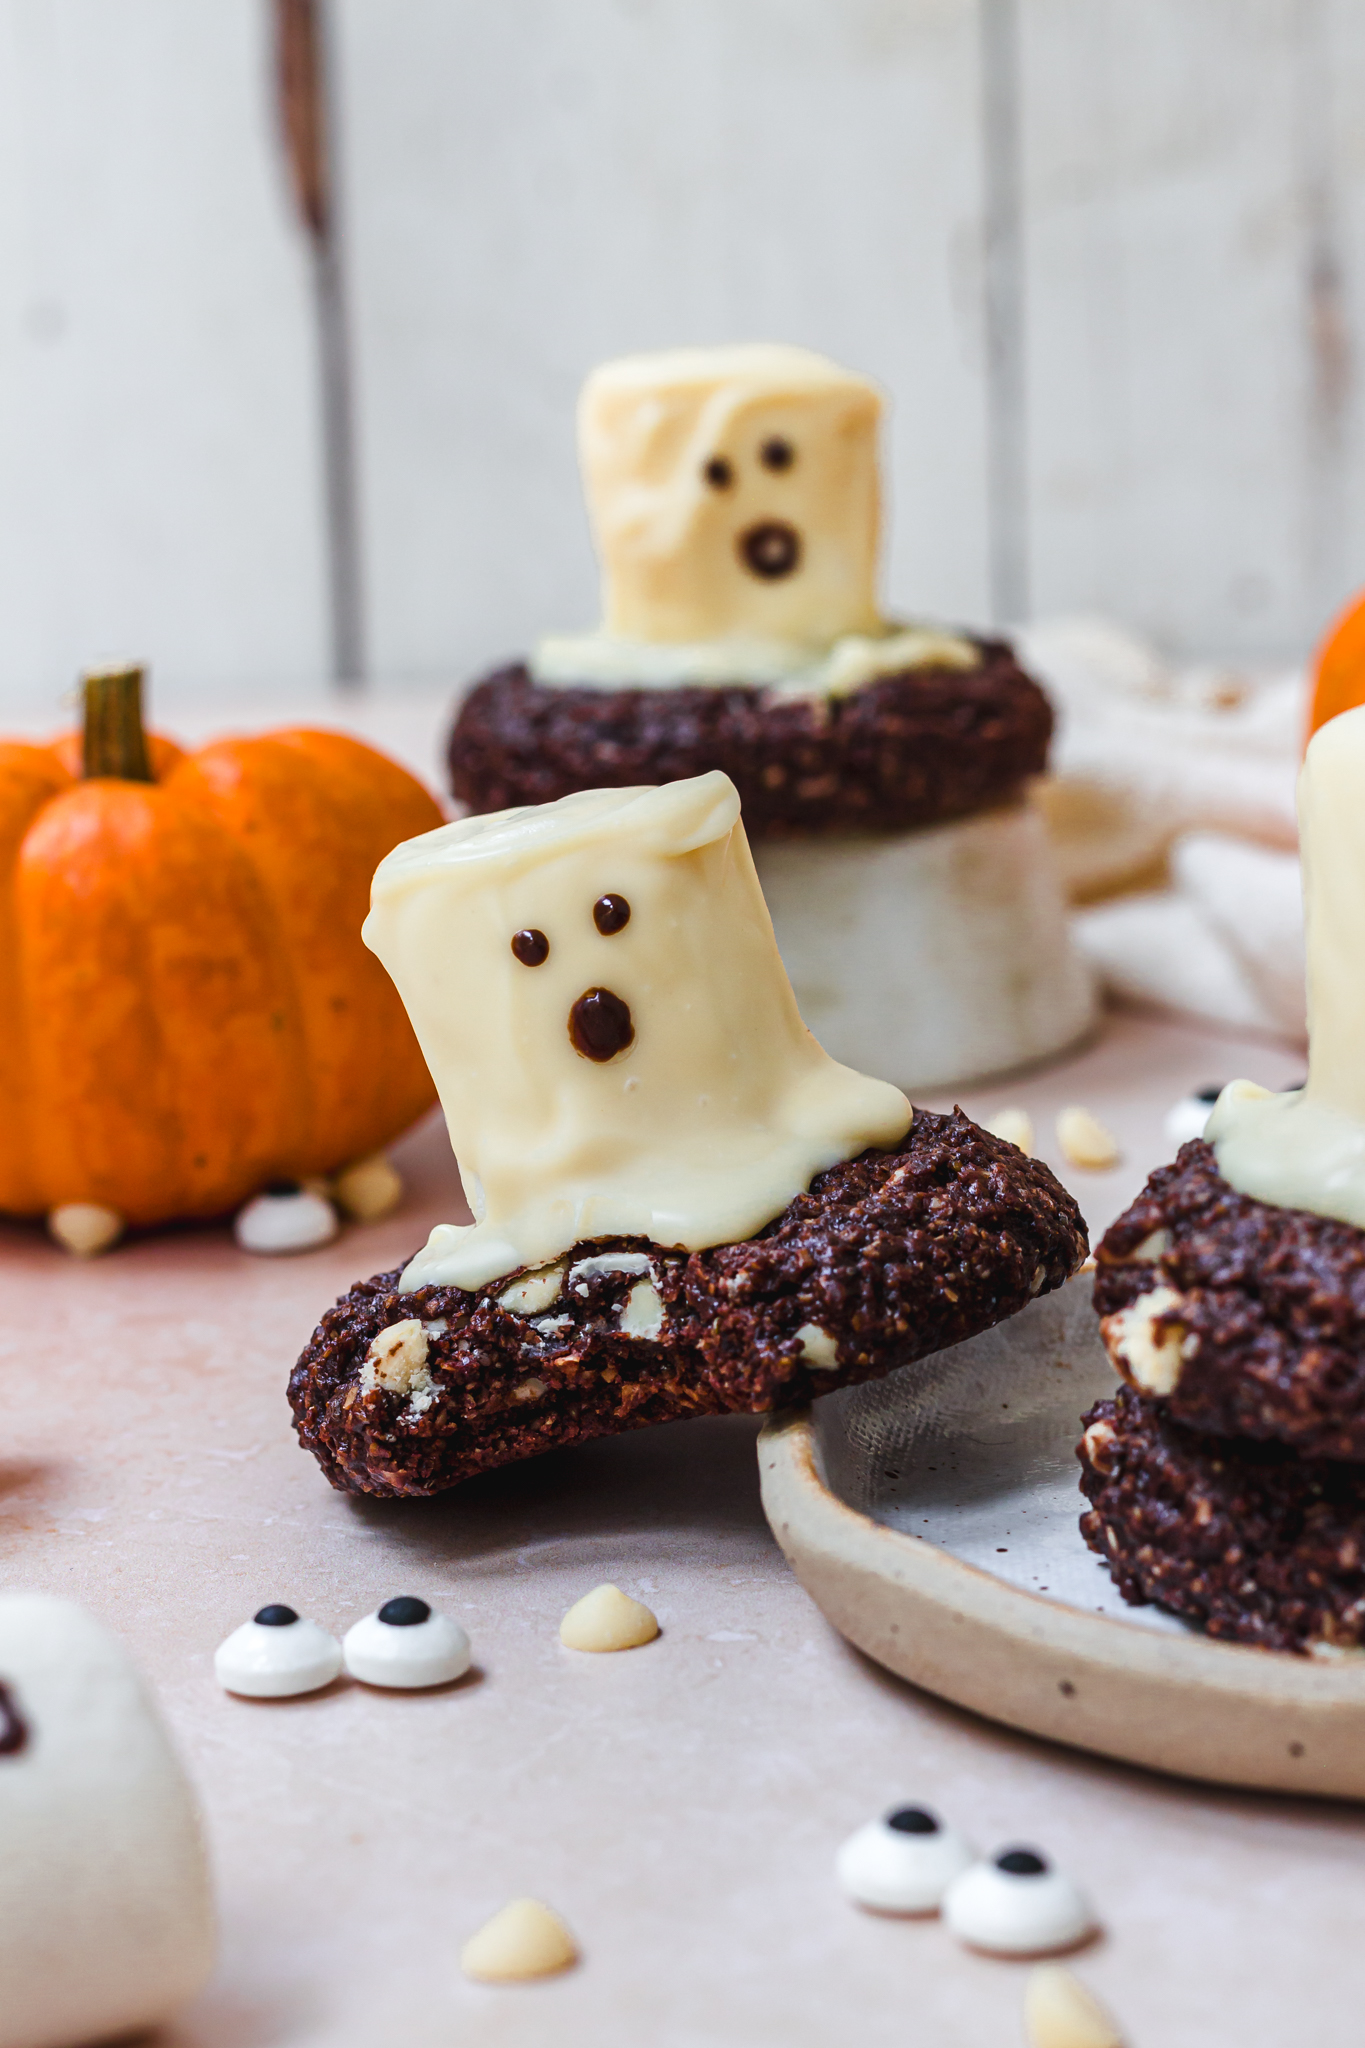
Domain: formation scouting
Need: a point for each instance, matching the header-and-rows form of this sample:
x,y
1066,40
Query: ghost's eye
x,y
13,1729
777,453
903,1863
718,473
1017,1905
611,914
405,1645
531,947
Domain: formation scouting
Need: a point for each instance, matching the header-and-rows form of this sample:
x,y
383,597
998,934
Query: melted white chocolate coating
x,y
604,661
720,1110
680,465
1306,1149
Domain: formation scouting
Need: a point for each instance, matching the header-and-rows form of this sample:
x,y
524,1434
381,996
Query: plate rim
x,y
1183,1704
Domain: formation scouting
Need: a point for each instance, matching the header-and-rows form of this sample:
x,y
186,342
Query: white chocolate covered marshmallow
x,y
596,989
106,1913
1306,1149
733,491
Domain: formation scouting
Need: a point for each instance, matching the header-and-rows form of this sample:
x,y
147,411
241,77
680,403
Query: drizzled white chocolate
x,y
700,1129
1306,1149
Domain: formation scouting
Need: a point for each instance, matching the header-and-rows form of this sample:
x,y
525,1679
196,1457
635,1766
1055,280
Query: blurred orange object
x,y
1339,671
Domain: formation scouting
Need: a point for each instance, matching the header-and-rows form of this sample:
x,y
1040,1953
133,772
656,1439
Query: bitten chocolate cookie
x,y
1246,1319
1254,1543
884,1259
918,748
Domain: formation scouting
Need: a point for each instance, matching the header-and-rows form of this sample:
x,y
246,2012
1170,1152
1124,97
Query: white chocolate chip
x,y
607,1619
85,1228
296,1220
1059,2012
524,1940
397,1360
1098,1441
642,1312
1153,1248
818,1348
1085,1141
369,1190
533,1291
437,1327
1151,1359
610,1262
529,1390
1015,1126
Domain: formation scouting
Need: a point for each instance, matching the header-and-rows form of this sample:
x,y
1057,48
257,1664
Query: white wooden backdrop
x,y
1107,255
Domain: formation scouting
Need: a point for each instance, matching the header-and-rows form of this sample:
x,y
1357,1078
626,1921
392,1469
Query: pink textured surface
x,y
680,1804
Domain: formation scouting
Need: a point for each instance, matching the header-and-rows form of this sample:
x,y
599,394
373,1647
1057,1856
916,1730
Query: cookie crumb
x,y
607,1619
1059,2012
523,1940
1085,1141
1015,1126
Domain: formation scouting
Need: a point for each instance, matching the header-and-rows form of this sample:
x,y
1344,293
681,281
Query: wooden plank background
x,y
1107,256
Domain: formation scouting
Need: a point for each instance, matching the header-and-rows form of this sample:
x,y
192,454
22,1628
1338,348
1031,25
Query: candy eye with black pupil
x,y
777,453
718,473
531,947
611,914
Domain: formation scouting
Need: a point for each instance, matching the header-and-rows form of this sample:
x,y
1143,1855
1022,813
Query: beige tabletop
x,y
680,1805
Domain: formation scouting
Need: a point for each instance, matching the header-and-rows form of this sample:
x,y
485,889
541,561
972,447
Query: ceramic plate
x,y
933,1517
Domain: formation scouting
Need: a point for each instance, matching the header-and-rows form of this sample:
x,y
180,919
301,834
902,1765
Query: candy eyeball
x,y
902,1863
1017,1905
1186,1119
285,1218
276,1655
407,1646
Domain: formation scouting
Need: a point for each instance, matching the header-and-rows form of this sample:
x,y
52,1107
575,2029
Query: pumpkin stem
x,y
115,742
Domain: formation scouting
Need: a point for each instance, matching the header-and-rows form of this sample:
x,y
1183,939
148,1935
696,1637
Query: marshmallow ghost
x,y
106,1918
733,491
599,997
1306,1149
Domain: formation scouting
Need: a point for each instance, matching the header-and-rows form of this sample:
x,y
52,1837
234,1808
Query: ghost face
x,y
722,508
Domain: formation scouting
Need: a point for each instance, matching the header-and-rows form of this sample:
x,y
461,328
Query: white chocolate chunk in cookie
x,y
607,1619
1059,2012
1098,1443
524,1940
1153,1248
819,1350
533,1292
1149,1358
397,1360
642,1312
1085,1141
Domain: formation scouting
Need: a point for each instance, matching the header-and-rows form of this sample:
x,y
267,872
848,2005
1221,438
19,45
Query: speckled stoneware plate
x,y
933,1517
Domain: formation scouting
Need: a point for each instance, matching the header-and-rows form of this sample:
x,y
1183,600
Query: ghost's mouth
x,y
771,549
600,1026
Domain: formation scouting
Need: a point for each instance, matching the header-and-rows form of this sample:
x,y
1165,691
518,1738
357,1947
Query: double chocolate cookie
x,y
1254,1544
885,1258
1244,1318
917,748
1227,1479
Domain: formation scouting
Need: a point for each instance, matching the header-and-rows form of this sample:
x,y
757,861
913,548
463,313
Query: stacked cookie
x,y
1227,1477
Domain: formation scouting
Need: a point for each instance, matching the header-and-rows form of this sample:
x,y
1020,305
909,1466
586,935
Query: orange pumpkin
x,y
187,1011
1339,670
